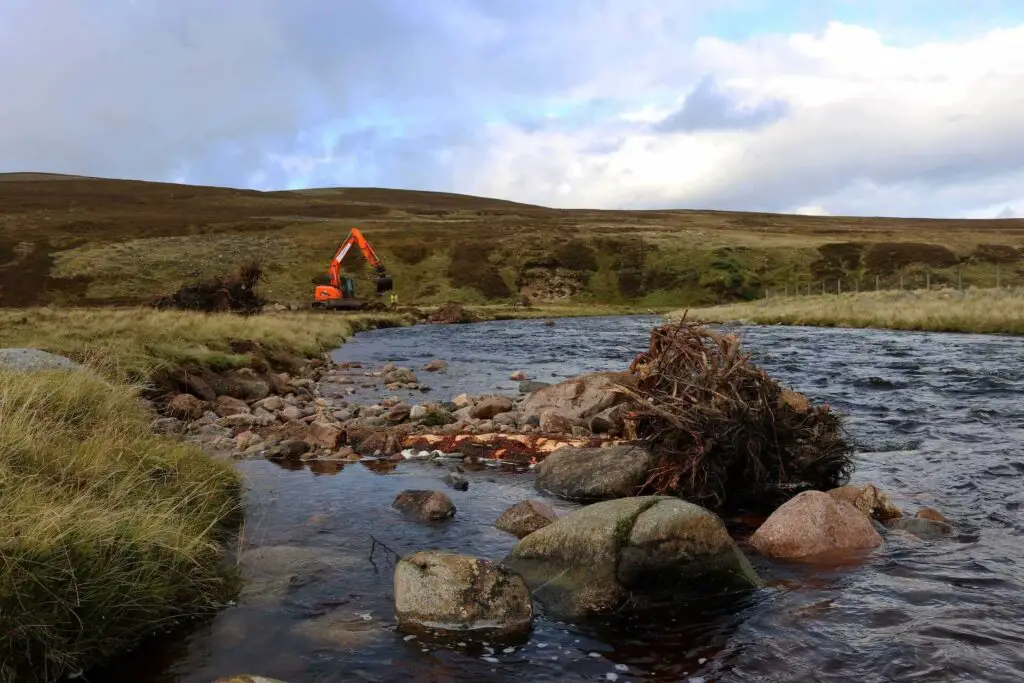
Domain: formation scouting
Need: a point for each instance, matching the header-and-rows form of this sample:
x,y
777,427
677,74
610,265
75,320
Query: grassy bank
x,y
108,533
131,344
991,311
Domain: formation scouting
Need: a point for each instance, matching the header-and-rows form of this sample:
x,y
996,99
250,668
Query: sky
x,y
841,107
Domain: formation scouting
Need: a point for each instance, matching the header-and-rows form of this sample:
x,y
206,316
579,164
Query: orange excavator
x,y
338,291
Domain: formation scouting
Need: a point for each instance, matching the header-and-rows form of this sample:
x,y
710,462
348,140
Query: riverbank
x,y
121,532
983,311
109,533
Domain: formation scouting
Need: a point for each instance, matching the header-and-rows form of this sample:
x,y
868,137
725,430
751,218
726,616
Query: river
x,y
937,419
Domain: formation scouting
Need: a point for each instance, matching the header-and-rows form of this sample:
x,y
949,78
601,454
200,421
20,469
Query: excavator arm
x,y
384,281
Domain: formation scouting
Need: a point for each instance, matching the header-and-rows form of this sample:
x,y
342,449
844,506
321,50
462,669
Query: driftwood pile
x,y
231,293
727,436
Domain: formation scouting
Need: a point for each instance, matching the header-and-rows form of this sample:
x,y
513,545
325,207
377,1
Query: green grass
x,y
108,533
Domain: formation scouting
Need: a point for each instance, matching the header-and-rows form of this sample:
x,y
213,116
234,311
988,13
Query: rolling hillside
x,y
69,240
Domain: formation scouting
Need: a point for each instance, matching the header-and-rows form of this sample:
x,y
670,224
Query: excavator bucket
x,y
385,284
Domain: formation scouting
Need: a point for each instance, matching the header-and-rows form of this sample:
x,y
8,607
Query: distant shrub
x,y
470,268
576,255
889,257
997,253
411,254
837,258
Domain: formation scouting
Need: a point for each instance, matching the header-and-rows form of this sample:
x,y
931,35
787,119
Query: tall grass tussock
x,y
109,533
983,311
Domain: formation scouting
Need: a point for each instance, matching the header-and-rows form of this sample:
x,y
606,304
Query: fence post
x,y
960,280
876,283
928,280
839,286
901,280
998,279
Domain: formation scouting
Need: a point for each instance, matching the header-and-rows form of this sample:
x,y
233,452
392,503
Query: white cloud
x,y
925,130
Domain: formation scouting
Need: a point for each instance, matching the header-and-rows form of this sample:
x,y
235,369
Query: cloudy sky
x,y
857,107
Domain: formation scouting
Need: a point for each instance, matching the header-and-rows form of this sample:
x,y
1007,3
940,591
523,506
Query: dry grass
x,y
108,533
130,344
992,311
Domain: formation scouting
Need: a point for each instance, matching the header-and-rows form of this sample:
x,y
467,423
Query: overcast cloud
x,y
816,106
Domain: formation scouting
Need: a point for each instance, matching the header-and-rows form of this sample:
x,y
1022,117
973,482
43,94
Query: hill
x,y
71,240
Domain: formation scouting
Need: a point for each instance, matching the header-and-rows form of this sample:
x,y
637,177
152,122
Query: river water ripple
x,y
937,421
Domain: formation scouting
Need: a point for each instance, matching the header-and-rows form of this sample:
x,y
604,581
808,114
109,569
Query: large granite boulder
x,y
448,593
578,398
646,550
594,474
815,524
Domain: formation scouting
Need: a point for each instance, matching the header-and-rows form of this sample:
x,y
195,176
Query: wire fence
x,y
996,277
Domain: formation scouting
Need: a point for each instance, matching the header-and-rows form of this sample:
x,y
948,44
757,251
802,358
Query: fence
x,y
996,277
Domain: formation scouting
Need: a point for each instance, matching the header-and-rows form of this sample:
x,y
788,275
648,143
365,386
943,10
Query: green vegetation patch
x,y
109,533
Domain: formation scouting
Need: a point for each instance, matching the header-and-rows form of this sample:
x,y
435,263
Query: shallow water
x,y
937,419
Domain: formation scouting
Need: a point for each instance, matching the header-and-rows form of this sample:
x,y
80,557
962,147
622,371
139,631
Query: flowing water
x,y
937,419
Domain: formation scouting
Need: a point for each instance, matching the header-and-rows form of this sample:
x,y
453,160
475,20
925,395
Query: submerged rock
x,y
435,366
426,505
869,500
925,529
594,474
529,386
325,434
449,593
814,523
648,550
522,519
932,514
456,481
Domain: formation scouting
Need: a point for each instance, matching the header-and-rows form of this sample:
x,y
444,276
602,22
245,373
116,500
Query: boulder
x,y
462,401
32,360
271,403
417,412
456,481
325,434
812,524
556,421
292,448
290,413
186,407
611,421
435,366
246,440
228,405
168,426
925,529
643,551
399,413
425,505
243,420
529,386
869,500
448,593
581,397
400,376
243,383
491,406
509,419
594,474
522,519
518,376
